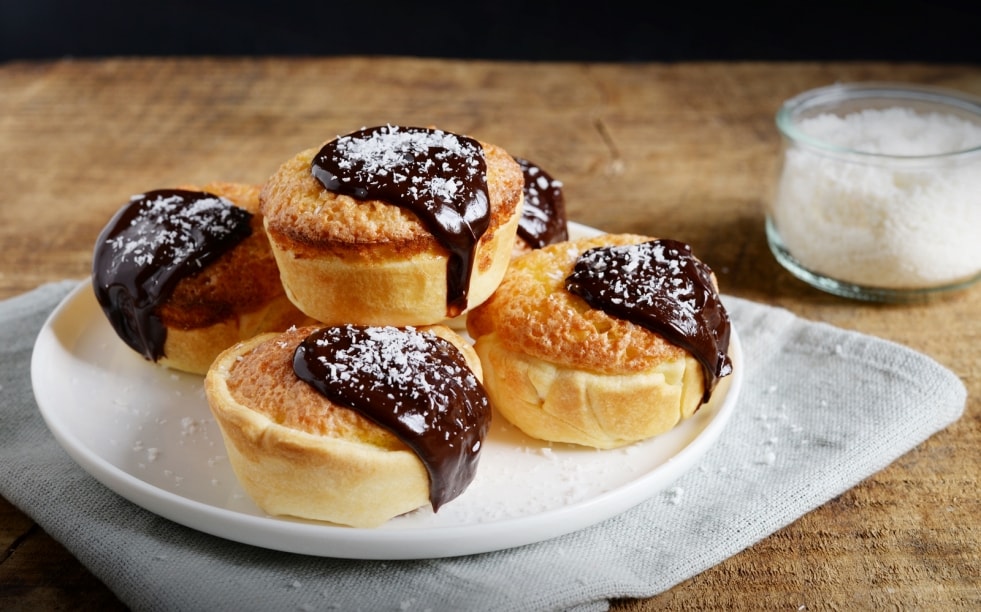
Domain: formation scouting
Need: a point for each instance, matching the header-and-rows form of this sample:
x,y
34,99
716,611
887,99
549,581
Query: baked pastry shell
x,y
350,285
602,410
562,371
236,297
374,263
356,474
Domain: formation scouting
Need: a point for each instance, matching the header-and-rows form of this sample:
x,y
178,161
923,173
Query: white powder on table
x,y
876,223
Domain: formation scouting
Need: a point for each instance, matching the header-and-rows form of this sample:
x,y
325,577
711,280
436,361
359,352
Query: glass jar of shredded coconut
x,y
879,191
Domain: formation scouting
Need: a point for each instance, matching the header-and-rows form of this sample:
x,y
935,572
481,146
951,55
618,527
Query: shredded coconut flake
x,y
908,225
390,147
169,222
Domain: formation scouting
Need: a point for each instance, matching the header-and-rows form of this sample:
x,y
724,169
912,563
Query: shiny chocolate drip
x,y
543,218
439,176
148,246
661,286
412,383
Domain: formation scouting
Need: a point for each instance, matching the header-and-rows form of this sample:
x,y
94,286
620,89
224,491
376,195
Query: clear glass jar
x,y
879,191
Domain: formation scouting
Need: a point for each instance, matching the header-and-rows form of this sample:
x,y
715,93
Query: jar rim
x,y
834,98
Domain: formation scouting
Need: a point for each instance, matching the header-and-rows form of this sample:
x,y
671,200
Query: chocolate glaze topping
x,y
414,384
543,218
148,246
661,286
439,176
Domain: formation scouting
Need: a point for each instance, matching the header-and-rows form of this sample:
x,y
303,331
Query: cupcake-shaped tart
x,y
182,274
351,424
602,341
393,225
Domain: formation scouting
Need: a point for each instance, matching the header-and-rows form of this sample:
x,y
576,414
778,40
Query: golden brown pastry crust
x,y
298,454
565,372
234,298
371,262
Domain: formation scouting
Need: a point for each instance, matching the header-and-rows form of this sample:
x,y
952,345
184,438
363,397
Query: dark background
x,y
942,31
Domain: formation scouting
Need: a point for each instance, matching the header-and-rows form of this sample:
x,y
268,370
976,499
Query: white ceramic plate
x,y
147,433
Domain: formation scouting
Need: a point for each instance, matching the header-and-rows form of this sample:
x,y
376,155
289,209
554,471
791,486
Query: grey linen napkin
x,y
821,409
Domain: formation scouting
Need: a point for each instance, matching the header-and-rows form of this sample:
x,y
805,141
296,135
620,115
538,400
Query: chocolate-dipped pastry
x,y
181,274
602,341
393,225
414,384
351,424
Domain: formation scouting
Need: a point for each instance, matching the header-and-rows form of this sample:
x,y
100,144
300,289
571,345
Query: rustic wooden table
x,y
684,150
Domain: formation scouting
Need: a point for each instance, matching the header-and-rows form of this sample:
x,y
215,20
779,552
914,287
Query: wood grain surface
x,y
686,151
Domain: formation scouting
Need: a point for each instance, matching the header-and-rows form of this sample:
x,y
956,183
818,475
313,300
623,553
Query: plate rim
x,y
308,537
